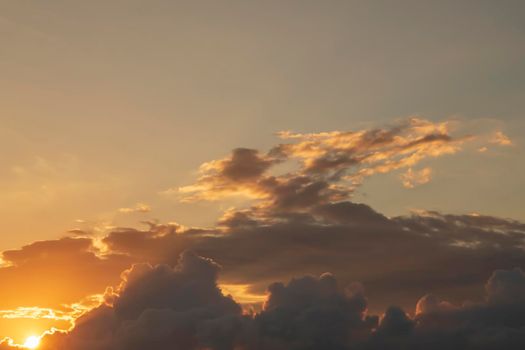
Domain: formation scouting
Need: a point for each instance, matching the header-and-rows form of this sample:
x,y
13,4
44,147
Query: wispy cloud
x,y
412,178
499,138
138,208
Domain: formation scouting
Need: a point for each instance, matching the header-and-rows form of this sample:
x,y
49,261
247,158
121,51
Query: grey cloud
x,y
506,286
245,164
312,313
159,308
165,308
446,255
492,324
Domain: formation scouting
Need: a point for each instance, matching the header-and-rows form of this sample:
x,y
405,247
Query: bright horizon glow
x,y
32,342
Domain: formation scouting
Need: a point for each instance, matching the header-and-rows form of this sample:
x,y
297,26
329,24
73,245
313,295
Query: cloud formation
x,y
301,222
324,167
426,252
496,323
138,208
499,138
63,271
161,308
446,255
412,178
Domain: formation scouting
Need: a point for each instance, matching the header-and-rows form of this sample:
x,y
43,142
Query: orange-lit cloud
x,y
412,178
330,165
241,293
499,138
36,313
138,208
234,175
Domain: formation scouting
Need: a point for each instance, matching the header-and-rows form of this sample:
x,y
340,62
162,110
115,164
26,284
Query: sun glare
x,y
32,342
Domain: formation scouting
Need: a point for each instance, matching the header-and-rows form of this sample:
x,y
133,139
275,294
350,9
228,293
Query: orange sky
x,y
277,138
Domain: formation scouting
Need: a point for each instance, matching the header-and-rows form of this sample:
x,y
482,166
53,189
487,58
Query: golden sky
x,y
378,141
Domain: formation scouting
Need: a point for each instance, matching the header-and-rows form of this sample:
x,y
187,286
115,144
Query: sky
x,y
381,142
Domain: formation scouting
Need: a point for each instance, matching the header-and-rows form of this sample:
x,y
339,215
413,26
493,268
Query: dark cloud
x,y
506,286
348,213
158,244
182,308
160,307
312,313
245,164
298,193
397,259
239,172
492,324
449,255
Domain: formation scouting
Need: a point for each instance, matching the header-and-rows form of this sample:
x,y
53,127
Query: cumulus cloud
x,y
182,307
159,307
491,324
312,313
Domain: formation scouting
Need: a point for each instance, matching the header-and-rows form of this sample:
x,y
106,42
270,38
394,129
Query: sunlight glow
x,y
32,342
241,293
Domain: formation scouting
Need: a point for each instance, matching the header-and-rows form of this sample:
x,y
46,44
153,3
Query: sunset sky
x,y
198,174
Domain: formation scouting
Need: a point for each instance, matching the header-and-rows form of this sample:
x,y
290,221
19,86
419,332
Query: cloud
x,y
430,304
413,178
506,286
325,167
451,255
426,252
312,313
236,174
63,271
138,208
52,275
160,308
491,324
301,222
499,138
